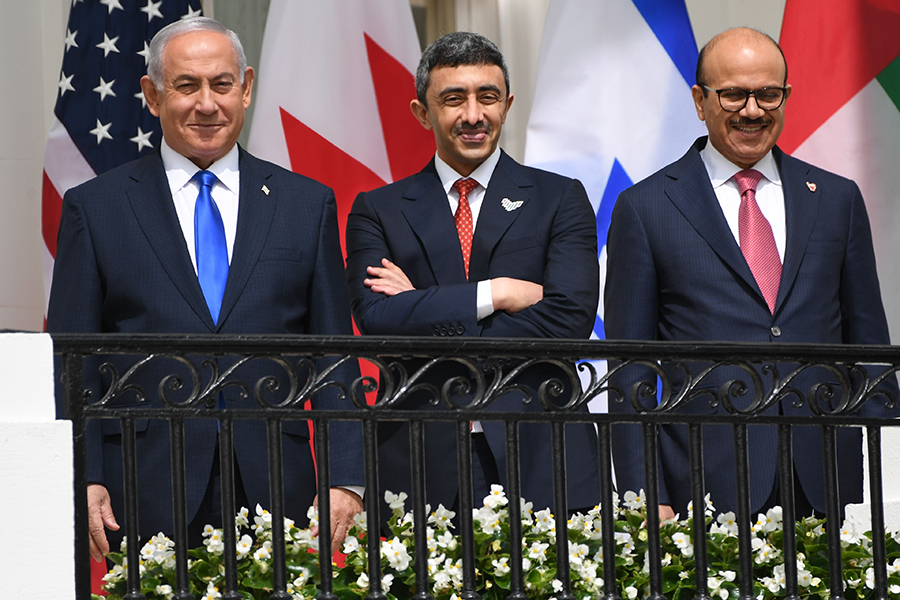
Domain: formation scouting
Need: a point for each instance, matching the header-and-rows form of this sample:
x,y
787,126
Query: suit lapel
x,y
256,209
428,213
151,201
692,193
508,182
800,216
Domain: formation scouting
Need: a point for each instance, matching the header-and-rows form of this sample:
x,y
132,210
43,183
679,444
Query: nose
x,y
206,102
473,111
752,110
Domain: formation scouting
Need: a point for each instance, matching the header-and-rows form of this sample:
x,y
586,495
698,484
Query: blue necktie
x,y
209,245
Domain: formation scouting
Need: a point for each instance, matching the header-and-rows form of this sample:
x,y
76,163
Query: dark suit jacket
x,y
123,267
550,239
676,273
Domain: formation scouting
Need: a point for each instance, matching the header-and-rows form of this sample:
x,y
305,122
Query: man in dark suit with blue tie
x,y
737,241
200,237
476,245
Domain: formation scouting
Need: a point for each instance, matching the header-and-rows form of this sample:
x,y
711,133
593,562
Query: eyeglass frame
x,y
747,97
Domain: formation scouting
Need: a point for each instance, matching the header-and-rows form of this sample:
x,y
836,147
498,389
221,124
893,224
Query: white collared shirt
x,y
448,176
225,192
769,192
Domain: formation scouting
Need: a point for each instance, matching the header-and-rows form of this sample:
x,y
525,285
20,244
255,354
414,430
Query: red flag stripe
x,y
51,209
834,49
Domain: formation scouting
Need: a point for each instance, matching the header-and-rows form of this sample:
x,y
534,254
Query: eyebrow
x,y
488,87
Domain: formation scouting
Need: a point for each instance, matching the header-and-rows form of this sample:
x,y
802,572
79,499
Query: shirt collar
x,y
721,169
482,174
180,169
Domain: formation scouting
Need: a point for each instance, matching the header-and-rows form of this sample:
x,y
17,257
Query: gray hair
x,y
172,30
455,49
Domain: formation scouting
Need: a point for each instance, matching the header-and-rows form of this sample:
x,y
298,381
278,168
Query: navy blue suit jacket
x,y
549,239
676,273
123,267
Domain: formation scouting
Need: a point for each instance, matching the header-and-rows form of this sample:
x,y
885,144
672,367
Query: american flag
x,y
101,119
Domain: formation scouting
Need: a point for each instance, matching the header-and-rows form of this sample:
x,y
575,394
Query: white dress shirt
x,y
225,192
769,192
484,172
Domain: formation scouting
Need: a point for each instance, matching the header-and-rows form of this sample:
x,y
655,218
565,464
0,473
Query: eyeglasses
x,y
735,99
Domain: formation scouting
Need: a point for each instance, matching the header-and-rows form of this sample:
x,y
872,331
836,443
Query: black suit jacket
x,y
123,267
676,273
546,234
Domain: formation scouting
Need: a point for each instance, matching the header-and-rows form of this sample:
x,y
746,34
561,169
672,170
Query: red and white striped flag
x,y
844,112
100,119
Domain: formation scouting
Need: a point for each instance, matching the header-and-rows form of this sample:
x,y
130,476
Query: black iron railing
x,y
677,374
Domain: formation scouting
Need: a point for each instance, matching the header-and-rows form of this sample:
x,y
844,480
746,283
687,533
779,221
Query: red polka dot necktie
x,y
463,218
756,238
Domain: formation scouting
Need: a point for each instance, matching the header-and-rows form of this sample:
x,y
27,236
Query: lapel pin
x,y
265,190
811,186
509,205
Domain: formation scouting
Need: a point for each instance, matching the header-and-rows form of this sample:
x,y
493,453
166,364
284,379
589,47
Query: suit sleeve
x,y
329,314
630,313
76,306
419,312
863,320
571,278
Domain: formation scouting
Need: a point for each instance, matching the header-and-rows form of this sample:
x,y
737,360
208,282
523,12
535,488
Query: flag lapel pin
x,y
509,205
265,190
811,186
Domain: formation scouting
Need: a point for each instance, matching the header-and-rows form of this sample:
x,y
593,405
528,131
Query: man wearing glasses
x,y
736,241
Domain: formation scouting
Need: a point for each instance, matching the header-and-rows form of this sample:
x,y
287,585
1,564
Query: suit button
x,y
460,330
436,332
443,331
451,330
776,331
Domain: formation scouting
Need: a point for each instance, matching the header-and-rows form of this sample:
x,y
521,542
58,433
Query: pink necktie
x,y
756,238
463,218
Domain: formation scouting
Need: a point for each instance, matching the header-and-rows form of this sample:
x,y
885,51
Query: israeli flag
x,y
612,100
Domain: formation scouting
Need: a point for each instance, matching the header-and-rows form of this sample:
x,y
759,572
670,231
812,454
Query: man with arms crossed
x,y
476,245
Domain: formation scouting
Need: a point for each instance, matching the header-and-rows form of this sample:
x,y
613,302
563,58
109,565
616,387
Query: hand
x,y
665,512
388,279
344,506
100,518
512,295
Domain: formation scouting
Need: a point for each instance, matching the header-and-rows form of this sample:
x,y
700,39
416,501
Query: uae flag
x,y
844,114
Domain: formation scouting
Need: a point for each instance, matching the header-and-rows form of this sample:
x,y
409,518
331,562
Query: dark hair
x,y
700,76
455,49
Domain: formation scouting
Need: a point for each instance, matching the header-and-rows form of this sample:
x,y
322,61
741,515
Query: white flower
x,y
300,581
538,552
395,501
526,510
263,553
441,517
386,581
501,566
215,543
351,545
728,523
849,534
894,566
496,497
396,554
728,575
557,585
164,590
894,589
159,549
544,521
312,513
634,501
262,520
709,509
244,545
446,540
870,578
363,581
360,520
488,519
212,592
631,592
682,541
683,575
242,519
577,553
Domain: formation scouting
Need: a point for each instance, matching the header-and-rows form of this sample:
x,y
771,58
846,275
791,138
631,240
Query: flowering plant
x,y
492,545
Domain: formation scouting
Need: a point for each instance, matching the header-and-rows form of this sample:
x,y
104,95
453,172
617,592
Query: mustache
x,y
469,128
742,122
